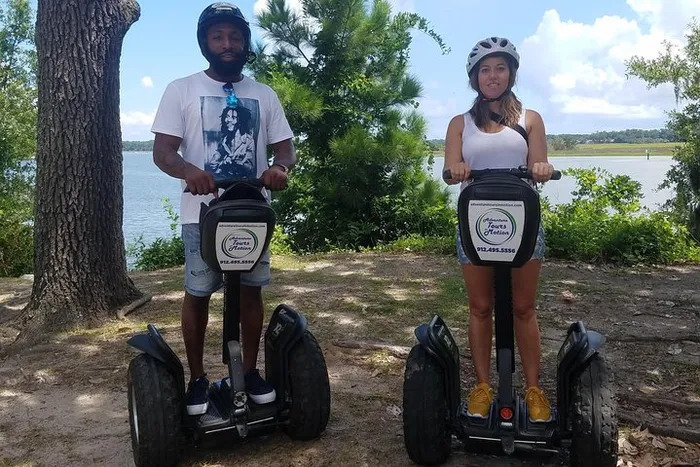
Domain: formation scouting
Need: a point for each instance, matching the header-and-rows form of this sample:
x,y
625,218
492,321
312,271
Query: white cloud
x,y
579,68
598,106
147,82
669,16
402,5
138,118
136,125
436,108
261,5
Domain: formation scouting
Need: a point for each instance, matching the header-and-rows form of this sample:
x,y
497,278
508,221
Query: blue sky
x,y
572,57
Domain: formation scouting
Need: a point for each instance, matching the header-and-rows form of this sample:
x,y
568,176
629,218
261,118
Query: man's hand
x,y
199,182
275,178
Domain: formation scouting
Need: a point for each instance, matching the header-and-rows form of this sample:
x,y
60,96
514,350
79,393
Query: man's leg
x,y
251,324
252,314
200,283
195,315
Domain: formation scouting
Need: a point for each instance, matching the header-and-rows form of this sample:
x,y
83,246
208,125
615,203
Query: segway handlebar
x,y
522,172
228,182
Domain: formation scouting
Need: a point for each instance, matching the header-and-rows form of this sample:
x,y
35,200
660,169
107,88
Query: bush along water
x,y
604,223
170,252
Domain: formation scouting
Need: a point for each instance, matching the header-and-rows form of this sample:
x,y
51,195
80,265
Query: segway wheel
x,y
425,417
593,417
155,413
309,389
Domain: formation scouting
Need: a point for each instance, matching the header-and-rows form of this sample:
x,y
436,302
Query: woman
x,y
476,141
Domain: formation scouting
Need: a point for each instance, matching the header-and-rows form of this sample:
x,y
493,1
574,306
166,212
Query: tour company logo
x,y
239,243
495,226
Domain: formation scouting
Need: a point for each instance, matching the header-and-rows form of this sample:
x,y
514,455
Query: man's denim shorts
x,y
201,281
537,254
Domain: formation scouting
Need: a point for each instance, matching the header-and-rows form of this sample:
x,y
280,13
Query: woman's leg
x,y
527,335
527,331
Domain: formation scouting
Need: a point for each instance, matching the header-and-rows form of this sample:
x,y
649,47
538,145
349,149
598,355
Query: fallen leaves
x,y
568,297
640,448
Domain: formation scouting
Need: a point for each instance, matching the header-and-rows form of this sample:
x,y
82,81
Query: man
x,y
192,117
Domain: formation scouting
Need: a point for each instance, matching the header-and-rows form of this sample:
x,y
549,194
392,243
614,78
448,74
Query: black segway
x,y
235,231
499,217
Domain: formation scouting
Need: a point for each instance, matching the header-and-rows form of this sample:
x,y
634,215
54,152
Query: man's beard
x,y
227,67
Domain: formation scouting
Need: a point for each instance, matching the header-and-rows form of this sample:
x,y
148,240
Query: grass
x,y
618,149
608,150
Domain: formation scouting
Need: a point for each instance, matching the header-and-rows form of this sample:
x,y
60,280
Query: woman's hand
x,y
459,172
542,171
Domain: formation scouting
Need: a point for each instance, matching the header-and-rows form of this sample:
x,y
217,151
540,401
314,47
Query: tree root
x,y
122,312
685,434
656,338
684,407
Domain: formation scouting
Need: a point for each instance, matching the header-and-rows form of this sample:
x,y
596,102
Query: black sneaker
x,y
197,397
258,390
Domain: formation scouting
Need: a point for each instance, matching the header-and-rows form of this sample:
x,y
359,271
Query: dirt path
x,y
64,402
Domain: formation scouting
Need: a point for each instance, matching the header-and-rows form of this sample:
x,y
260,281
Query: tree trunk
x,y
80,267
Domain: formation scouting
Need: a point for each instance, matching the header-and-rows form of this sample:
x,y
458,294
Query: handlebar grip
x,y
227,182
556,174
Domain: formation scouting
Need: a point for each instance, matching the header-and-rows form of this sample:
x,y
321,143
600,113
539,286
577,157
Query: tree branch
x,y
645,401
684,434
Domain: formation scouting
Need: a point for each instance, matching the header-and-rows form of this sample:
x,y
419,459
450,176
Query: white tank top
x,y
503,150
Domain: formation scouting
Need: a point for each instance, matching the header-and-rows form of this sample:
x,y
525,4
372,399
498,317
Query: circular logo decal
x,y
495,226
239,243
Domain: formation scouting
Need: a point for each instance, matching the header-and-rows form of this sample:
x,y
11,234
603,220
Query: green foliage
x,y
163,252
562,143
604,223
143,146
682,70
279,244
16,243
341,72
17,137
170,251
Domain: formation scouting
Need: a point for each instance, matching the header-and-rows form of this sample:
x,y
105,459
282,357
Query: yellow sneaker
x,y
480,399
537,405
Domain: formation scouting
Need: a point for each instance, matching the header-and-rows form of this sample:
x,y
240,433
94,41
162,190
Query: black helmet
x,y
222,11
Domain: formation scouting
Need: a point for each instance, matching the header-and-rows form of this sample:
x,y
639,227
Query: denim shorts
x,y
538,253
201,281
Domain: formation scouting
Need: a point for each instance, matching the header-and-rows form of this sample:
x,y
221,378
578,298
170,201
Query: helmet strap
x,y
494,99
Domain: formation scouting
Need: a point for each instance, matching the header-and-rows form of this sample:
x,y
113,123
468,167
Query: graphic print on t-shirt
x,y
230,137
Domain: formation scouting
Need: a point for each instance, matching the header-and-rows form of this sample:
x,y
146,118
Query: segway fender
x,y
153,344
436,338
595,342
573,357
285,329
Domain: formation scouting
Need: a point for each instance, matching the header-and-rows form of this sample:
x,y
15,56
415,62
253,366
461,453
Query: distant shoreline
x,y
611,150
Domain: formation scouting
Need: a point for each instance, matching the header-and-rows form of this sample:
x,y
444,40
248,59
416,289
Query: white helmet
x,y
490,46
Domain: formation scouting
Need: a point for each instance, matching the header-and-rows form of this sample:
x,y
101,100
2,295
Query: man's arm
x,y
167,159
275,177
285,154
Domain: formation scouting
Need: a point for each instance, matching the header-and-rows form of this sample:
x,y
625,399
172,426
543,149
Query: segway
x,y
499,217
235,231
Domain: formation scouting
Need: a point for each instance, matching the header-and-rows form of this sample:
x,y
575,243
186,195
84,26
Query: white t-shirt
x,y
226,142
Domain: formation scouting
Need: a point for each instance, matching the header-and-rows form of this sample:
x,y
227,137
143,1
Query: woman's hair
x,y
511,107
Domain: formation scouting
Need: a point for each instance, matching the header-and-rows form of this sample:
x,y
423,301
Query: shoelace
x,y
537,399
480,395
